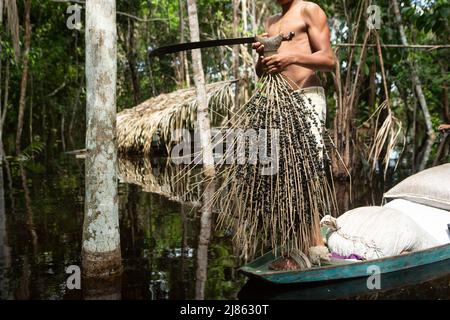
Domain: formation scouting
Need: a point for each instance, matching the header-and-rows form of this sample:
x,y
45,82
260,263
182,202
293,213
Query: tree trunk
x,y
414,76
131,57
446,111
5,250
101,238
372,84
24,81
181,56
5,96
2,106
235,62
244,52
204,127
30,115
29,223
347,95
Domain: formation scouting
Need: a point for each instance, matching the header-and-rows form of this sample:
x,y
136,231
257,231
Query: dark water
x,y
41,214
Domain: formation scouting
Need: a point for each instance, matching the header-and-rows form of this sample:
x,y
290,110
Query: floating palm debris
x,y
162,115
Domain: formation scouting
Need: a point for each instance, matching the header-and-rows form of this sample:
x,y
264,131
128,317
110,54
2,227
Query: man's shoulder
x,y
312,13
308,7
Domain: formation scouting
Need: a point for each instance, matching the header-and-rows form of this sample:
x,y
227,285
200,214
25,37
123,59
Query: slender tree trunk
x,y
254,22
24,81
244,51
414,74
181,67
5,96
347,92
441,148
425,154
149,63
101,238
184,57
4,92
1,11
446,111
131,56
31,228
235,62
63,129
204,126
2,106
77,95
244,15
344,129
5,250
372,84
1,67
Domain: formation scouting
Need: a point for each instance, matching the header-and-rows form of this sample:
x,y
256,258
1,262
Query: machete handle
x,y
272,44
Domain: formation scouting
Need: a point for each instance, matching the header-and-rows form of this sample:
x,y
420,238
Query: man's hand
x,y
258,46
444,127
277,62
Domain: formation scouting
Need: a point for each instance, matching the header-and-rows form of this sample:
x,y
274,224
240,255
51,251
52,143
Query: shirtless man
x,y
298,60
309,51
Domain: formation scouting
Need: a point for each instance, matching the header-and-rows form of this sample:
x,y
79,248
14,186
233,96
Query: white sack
x,y
376,232
432,220
430,187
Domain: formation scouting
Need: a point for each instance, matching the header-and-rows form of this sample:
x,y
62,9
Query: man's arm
x,y
322,57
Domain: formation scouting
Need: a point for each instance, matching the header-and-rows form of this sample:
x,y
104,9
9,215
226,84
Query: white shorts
x,y
319,103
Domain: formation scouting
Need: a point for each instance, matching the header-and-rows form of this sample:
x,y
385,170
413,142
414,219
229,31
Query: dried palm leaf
x,y
162,115
386,137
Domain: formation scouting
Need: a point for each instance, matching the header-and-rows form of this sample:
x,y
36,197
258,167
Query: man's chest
x,y
286,24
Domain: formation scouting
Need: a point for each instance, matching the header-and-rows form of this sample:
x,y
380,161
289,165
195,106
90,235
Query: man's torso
x,y
292,21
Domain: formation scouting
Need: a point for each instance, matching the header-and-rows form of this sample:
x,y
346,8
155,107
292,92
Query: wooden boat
x,y
408,283
338,269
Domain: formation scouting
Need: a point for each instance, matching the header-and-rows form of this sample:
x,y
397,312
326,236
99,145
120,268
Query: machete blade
x,y
198,45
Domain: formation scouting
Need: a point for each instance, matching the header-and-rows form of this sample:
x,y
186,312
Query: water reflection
x,y
5,255
193,251
203,240
162,177
102,289
164,254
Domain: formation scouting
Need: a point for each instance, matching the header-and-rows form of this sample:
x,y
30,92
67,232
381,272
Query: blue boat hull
x,y
259,268
407,280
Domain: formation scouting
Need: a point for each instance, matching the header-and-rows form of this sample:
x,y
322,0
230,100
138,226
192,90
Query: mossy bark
x,y
101,238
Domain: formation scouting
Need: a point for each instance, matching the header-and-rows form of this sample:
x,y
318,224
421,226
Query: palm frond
x,y
31,150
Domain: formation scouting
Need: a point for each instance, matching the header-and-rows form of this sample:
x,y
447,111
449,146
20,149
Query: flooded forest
x,y
387,101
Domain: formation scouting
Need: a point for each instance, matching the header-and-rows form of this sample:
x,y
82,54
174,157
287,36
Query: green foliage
x,y
56,81
30,151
